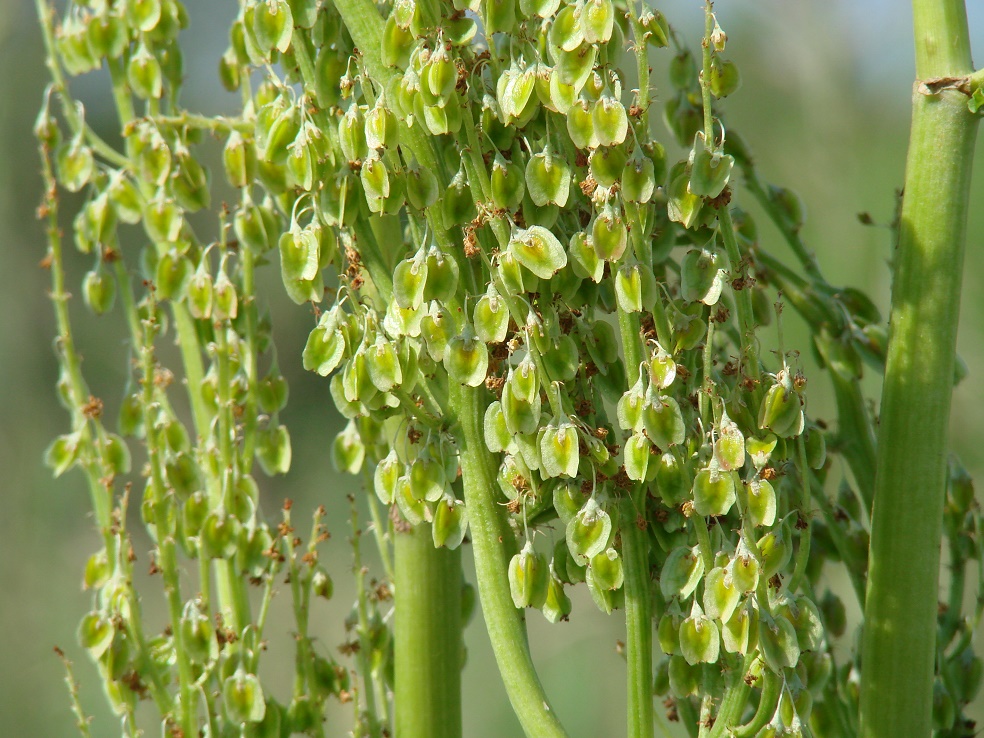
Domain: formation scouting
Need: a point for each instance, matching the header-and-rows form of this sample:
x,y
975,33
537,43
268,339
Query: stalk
x,y
428,636
494,544
635,558
899,645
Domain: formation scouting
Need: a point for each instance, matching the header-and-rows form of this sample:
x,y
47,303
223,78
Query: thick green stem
x,y
635,558
899,647
494,544
428,636
638,620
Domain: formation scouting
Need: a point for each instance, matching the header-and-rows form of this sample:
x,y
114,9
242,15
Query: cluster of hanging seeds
x,y
472,195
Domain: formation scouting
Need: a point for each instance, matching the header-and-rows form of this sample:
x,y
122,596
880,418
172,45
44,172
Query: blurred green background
x,y
824,106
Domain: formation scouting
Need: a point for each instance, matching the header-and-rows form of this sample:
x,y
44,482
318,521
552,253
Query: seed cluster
x,y
472,195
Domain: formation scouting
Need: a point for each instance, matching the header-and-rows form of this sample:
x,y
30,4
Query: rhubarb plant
x,y
558,348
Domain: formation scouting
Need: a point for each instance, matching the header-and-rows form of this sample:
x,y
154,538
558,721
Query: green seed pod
x,y
702,276
683,206
385,478
107,36
116,454
144,74
721,596
271,392
668,630
198,634
740,632
427,480
491,316
299,260
200,293
242,695
589,531
630,407
273,450
348,451
410,280
193,513
777,643
219,535
816,447
567,501
635,288
153,156
142,15
729,447
352,134
467,358
744,569
610,120
663,420
225,304
714,491
638,179
598,19
520,415
637,452
499,17
381,127
584,258
681,573
529,578
375,181
422,187
575,67
442,275
95,634
329,68
944,708
760,449
581,125
761,502
560,96
662,369
172,276
508,184
557,606
710,170
75,164
725,78
559,450
325,346
700,641
605,569
538,250
397,44
806,621
781,411
450,522
685,680
683,71
383,365
609,236
437,328
657,30
672,478
99,290
273,25
548,179
458,203
567,31
776,549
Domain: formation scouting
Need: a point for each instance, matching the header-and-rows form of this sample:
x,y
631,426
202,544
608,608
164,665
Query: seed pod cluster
x,y
476,199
